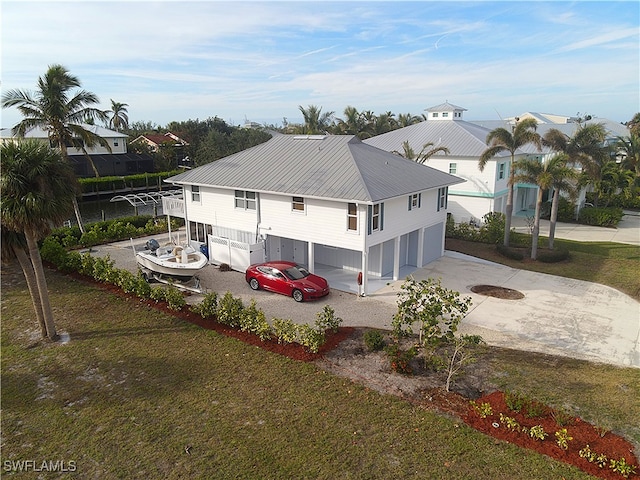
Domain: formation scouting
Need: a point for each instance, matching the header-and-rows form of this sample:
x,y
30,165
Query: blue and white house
x,y
324,201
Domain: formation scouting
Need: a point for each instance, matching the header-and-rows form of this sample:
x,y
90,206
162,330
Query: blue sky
x,y
261,60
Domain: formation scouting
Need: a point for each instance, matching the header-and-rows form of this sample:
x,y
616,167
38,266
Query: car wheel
x,y
253,283
297,295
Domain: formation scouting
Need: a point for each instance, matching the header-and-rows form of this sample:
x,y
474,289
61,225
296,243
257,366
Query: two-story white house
x,y
320,200
482,191
115,162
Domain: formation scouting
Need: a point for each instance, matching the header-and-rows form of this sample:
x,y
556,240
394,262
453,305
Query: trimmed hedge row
x,y
114,183
227,310
113,230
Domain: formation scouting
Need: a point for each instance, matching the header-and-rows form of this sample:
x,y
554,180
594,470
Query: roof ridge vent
x,y
310,137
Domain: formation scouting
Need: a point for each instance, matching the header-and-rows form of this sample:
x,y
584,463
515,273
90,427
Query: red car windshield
x,y
296,273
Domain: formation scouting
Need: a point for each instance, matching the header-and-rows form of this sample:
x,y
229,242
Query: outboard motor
x,y
152,245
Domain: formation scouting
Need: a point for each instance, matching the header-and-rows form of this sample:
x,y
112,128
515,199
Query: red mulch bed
x,y
583,433
292,350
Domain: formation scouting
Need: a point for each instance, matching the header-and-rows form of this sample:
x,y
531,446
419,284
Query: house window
x,y
115,142
502,167
376,217
453,168
297,204
445,114
352,217
414,201
245,200
198,231
442,198
434,114
195,193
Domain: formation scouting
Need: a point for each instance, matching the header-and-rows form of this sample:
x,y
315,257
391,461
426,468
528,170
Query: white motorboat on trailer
x,y
172,260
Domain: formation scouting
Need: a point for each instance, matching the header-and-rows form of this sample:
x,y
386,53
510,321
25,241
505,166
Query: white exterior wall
x,y
98,149
217,207
476,182
398,220
323,221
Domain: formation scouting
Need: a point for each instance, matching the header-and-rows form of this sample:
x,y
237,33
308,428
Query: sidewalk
x,y
628,230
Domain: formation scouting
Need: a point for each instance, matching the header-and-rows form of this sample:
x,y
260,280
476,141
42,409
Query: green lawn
x,y
138,394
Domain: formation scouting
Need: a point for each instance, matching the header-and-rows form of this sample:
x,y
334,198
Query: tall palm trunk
x,y
508,211
536,226
41,282
554,216
76,207
29,276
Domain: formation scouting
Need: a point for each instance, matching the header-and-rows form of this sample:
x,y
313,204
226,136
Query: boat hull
x,y
181,264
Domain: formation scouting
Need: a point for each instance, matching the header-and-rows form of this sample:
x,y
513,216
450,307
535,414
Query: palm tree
x,y
62,117
352,124
629,148
37,191
406,119
14,245
425,154
564,176
634,124
501,140
119,119
315,122
552,173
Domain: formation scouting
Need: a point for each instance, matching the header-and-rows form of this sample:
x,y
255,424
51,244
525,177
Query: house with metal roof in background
x,y
115,162
481,192
330,202
486,191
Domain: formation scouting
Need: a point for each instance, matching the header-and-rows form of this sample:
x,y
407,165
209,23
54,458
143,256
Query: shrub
x,y
127,281
253,320
436,309
229,310
483,410
285,330
553,256
509,252
53,252
174,298
157,294
601,217
400,359
493,229
374,340
310,338
208,307
327,320
515,401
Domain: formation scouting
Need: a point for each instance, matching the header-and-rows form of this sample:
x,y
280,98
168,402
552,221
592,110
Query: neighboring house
x,y
329,201
118,162
486,191
481,192
170,146
567,125
155,141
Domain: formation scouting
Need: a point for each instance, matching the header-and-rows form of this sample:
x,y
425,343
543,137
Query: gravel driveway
x,y
355,311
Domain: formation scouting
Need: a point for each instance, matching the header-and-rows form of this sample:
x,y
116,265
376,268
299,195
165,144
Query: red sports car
x,y
287,278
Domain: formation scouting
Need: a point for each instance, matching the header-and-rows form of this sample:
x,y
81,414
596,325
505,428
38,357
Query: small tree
x,y
438,310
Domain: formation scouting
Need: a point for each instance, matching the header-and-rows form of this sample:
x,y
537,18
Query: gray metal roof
x,y
445,107
333,166
463,139
39,132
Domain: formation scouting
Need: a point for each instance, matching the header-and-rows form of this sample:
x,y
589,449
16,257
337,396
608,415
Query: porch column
x,y
365,272
420,247
396,258
312,260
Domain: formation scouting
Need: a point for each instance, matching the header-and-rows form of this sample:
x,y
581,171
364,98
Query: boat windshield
x,y
296,273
